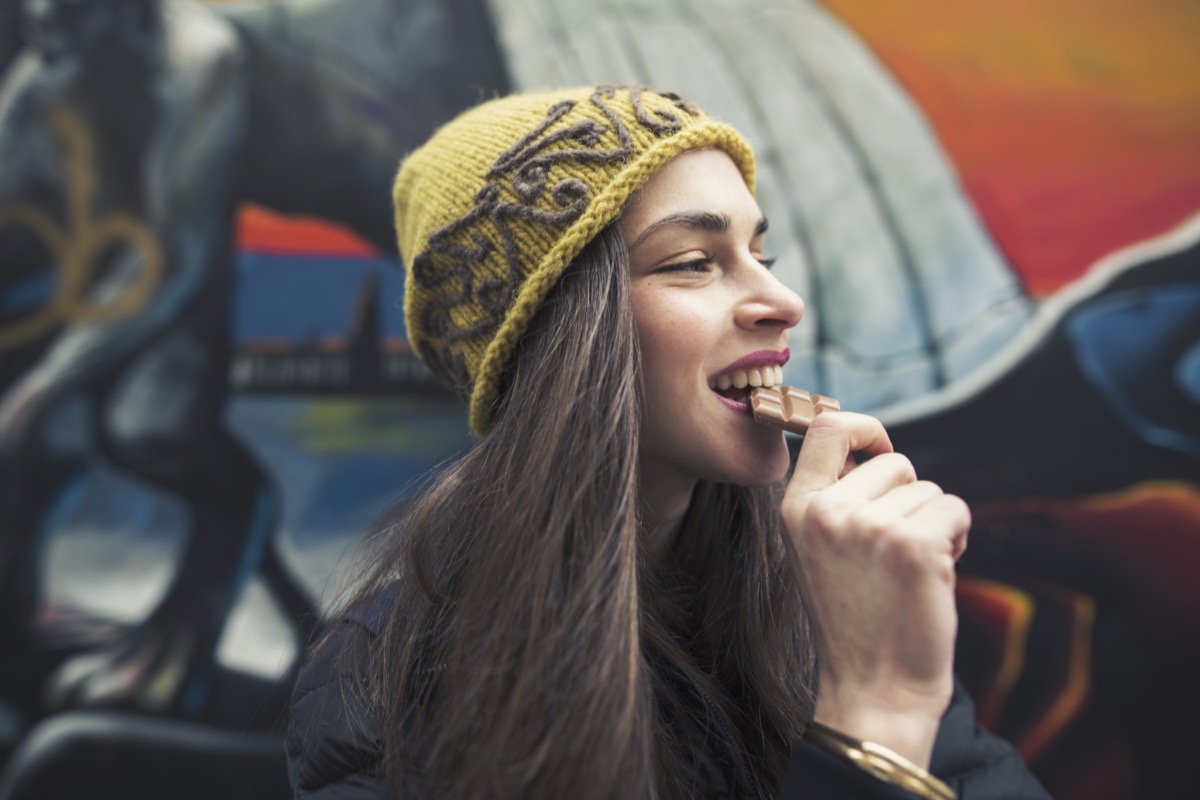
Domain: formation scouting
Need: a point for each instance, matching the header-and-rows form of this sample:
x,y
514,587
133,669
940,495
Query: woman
x,y
619,592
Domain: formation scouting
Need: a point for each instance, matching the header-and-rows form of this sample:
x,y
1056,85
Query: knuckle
x,y
906,554
932,488
874,523
825,511
902,466
961,509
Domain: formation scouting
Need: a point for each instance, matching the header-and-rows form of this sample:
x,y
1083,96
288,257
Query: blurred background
x,y
206,399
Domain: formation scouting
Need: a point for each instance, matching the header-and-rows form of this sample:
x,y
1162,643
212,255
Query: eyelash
x,y
701,264
695,265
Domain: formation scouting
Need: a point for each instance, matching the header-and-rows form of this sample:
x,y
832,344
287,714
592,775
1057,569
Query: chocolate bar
x,y
788,407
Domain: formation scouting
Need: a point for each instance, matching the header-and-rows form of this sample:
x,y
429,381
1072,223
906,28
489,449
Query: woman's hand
x,y
874,549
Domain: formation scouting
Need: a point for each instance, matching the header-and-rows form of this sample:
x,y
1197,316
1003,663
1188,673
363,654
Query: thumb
x,y
826,452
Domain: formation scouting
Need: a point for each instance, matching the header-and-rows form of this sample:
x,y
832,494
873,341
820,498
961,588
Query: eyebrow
x,y
697,220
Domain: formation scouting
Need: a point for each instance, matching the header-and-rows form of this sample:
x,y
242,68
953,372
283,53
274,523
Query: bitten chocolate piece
x,y
788,407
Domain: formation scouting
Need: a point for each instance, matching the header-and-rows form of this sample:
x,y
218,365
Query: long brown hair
x,y
530,650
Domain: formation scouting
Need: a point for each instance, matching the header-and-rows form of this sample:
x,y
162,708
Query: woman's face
x,y
706,307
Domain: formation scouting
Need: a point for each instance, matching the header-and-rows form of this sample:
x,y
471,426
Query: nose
x,y
768,302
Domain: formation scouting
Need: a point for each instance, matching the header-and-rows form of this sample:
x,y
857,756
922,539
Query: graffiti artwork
x,y
207,399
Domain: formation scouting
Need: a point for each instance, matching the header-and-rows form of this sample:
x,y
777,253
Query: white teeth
x,y
771,375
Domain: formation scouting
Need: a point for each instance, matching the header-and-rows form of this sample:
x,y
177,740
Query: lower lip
x,y
734,406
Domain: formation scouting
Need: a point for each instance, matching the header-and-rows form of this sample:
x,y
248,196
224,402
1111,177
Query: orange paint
x,y
1070,701
1149,533
1006,611
1074,124
262,230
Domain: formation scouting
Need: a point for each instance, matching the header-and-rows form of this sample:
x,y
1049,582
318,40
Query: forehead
x,y
697,180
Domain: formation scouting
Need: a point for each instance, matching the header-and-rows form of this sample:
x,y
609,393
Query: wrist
x,y
910,734
880,762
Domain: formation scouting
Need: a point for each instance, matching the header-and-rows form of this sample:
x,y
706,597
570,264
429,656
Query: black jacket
x,y
334,745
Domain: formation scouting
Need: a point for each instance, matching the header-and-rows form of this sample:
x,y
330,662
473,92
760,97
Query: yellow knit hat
x,y
492,209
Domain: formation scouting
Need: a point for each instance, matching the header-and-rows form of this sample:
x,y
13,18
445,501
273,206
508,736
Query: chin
x,y
766,479
768,469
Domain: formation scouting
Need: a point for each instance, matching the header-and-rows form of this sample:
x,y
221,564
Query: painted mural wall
x,y
206,399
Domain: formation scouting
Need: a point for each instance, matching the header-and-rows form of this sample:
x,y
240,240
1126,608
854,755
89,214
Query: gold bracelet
x,y
880,761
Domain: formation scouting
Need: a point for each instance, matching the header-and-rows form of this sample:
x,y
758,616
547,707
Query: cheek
x,y
671,337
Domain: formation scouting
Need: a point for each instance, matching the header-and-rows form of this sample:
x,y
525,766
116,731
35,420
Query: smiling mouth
x,y
736,385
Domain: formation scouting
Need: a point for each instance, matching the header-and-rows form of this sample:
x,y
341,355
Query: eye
x,y
767,262
695,265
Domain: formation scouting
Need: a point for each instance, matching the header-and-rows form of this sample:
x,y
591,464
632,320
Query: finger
x,y
906,499
873,479
830,440
959,545
947,517
851,464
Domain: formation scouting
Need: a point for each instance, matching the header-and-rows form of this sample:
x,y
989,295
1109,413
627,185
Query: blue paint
x,y
1139,349
298,299
29,294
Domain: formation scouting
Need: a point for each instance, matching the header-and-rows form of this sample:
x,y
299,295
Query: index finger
x,y
830,440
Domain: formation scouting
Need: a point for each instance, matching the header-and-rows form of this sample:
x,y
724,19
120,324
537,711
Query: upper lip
x,y
759,358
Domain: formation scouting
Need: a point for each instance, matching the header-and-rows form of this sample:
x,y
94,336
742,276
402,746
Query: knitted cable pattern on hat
x,y
493,208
